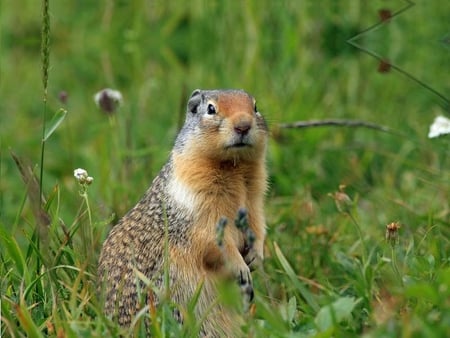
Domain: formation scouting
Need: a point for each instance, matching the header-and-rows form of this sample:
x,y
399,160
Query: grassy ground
x,y
329,271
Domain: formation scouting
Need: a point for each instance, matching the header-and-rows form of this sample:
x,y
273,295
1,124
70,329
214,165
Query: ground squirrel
x,y
216,167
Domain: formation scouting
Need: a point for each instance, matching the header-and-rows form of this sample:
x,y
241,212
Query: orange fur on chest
x,y
218,189
221,186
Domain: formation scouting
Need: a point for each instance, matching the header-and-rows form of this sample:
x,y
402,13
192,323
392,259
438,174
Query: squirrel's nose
x,y
242,128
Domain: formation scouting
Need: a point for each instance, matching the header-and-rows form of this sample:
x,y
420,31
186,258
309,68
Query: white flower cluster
x,y
82,176
440,126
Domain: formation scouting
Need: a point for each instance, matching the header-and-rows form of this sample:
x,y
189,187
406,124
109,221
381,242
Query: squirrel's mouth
x,y
239,141
238,145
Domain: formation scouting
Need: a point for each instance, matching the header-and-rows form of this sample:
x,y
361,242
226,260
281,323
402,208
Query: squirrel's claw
x,y
246,285
253,259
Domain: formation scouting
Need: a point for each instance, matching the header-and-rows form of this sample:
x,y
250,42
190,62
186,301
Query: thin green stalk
x,y
395,265
87,236
360,234
392,237
87,230
45,52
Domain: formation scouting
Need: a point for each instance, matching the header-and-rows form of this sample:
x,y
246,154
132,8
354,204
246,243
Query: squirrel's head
x,y
223,124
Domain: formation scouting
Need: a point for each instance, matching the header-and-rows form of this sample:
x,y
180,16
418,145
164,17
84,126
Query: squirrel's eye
x,y
211,109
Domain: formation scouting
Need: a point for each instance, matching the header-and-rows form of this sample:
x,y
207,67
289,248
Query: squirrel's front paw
x,y
246,285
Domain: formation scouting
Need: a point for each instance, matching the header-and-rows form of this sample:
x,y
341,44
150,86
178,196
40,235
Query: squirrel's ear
x,y
196,92
194,101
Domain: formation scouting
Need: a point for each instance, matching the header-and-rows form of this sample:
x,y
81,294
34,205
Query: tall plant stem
x,y
45,53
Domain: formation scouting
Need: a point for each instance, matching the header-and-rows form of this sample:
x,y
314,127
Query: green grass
x,y
329,270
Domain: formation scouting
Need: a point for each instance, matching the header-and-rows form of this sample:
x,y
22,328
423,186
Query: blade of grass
x,y
43,219
56,120
307,296
26,321
13,249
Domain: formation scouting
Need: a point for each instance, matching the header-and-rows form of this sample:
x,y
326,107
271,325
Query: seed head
x,y
384,66
343,202
108,100
384,14
392,232
63,96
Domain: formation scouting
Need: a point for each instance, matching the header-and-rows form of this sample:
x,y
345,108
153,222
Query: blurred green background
x,y
293,56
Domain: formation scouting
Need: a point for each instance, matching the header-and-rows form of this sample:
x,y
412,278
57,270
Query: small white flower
x,y
80,174
82,177
108,100
89,180
440,126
